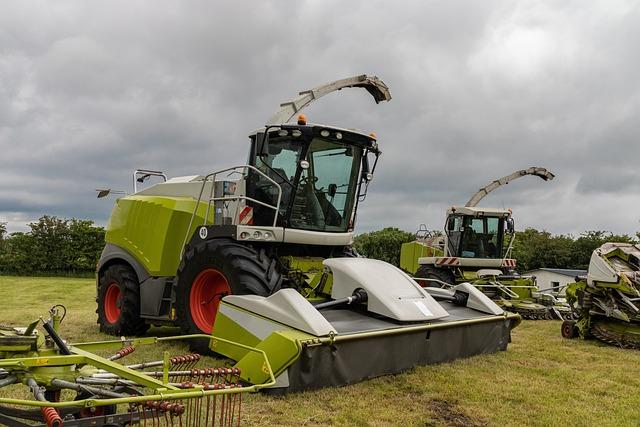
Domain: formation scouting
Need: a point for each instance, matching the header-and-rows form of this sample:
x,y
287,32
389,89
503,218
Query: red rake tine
x,y
239,407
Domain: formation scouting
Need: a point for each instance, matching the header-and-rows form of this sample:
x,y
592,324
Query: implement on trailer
x,y
53,383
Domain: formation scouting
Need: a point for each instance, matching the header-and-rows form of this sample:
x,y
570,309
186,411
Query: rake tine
x,y
223,405
144,416
239,407
206,422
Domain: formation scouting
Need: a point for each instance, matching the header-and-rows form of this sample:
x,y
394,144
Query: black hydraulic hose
x,y
444,298
458,298
86,388
56,338
359,295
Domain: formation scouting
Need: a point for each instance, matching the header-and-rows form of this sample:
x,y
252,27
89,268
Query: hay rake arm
x,y
41,385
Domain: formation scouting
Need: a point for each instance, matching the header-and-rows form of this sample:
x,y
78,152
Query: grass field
x,y
542,380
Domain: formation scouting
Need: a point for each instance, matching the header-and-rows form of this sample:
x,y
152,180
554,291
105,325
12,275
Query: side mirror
x,y
103,192
262,143
511,225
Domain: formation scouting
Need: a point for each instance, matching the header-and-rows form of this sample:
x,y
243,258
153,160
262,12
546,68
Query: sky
x,y
90,91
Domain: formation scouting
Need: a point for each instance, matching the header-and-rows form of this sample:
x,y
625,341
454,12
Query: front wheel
x,y
438,276
216,268
569,329
119,302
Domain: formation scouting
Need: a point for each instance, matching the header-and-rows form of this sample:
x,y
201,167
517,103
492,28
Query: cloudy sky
x,y
90,91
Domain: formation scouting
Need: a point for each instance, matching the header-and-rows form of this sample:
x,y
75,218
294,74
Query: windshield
x,y
279,163
326,190
471,237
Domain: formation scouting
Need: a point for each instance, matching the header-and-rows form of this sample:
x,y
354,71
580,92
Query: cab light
x,y
302,119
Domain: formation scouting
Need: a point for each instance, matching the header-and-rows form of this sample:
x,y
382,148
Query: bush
x,y
53,246
383,244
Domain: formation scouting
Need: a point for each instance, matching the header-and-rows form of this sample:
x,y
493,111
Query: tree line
x,y
53,246
531,248
56,246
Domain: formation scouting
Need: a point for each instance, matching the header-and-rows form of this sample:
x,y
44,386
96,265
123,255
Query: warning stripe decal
x,y
509,263
245,217
447,261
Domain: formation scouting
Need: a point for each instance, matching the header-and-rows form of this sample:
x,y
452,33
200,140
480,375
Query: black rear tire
x,y
569,329
119,302
213,269
431,272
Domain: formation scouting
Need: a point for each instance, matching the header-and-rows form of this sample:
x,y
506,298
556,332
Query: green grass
x,y
541,380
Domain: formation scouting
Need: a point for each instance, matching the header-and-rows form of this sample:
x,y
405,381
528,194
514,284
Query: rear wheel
x,y
119,302
569,329
437,276
216,268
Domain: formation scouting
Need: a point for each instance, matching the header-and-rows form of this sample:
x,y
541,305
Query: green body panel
x,y
152,229
282,349
226,328
410,252
282,345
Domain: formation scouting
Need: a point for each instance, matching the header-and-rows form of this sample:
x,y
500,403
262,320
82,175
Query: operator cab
x,y
321,173
477,232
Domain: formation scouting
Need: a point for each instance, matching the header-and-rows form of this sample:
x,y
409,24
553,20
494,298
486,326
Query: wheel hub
x,y
208,288
112,303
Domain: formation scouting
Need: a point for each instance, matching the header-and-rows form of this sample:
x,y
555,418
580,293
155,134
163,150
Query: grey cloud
x,y
91,91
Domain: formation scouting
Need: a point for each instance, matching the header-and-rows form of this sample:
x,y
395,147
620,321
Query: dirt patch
x,y
451,414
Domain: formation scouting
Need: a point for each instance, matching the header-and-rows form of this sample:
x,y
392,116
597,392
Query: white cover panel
x,y
390,291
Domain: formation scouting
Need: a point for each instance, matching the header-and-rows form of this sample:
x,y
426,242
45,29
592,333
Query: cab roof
x,y
477,211
315,125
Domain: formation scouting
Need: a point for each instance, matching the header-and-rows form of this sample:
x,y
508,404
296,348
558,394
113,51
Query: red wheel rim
x,y
206,291
112,302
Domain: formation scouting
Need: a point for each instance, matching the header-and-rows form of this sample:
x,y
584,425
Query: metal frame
x,y
212,178
147,172
81,355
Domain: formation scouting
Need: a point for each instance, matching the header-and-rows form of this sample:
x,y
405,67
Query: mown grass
x,y
541,380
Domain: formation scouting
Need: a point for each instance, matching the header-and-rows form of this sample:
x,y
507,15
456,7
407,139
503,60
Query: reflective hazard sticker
x,y
423,308
245,217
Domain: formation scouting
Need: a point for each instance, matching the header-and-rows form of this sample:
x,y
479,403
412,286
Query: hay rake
x,y
46,382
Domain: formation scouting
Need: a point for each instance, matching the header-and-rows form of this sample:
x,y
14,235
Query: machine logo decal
x,y
203,233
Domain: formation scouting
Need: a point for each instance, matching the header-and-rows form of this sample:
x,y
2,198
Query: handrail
x,y
145,173
212,177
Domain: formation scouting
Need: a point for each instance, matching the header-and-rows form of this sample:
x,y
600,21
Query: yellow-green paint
x,y
282,346
226,328
282,349
410,252
152,229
